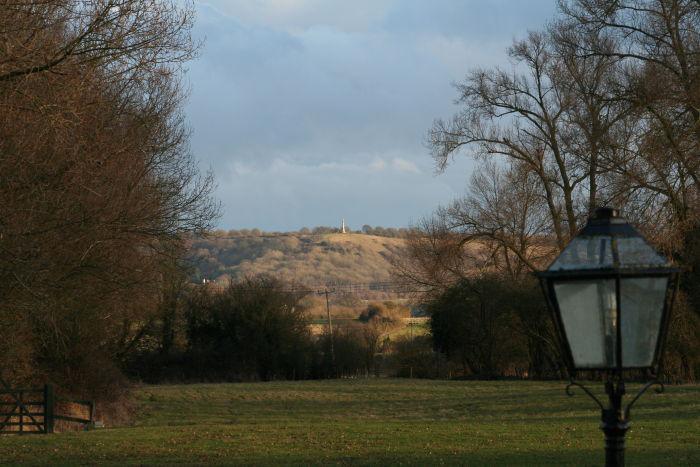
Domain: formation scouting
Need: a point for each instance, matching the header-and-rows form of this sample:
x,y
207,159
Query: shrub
x,y
475,324
253,329
415,358
355,350
383,311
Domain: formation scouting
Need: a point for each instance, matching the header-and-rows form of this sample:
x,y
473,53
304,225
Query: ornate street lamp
x,y
611,296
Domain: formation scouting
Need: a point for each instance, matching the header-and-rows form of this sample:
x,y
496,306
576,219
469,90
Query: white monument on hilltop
x,y
342,228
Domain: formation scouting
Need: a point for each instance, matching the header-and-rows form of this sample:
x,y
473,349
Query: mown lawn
x,y
373,422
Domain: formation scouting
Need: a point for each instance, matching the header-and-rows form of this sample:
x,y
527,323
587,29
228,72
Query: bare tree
x,y
98,184
658,45
116,35
520,116
436,257
504,210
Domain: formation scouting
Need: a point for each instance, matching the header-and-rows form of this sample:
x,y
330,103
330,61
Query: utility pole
x,y
330,330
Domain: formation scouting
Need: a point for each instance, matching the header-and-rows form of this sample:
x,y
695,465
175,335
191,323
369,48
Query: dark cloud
x,y
307,115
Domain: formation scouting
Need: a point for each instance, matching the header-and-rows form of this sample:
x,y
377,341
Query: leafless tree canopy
x,y
601,107
98,185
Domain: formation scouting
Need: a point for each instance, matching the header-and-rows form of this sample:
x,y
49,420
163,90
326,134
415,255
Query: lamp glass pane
x,y
585,253
642,304
635,251
588,310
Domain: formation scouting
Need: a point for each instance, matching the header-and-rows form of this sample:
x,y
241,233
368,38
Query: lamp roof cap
x,y
608,243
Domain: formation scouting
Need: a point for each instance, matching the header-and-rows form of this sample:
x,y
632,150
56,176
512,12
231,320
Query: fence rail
x,y
33,416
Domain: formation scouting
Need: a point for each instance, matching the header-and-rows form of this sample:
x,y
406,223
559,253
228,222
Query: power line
x,y
321,289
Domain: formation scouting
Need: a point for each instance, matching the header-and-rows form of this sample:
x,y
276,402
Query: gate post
x,y
92,414
49,402
21,412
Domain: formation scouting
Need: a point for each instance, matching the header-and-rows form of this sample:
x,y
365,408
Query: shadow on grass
x,y
648,457
539,458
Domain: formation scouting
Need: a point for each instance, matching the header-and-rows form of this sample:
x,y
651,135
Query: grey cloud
x,y
266,93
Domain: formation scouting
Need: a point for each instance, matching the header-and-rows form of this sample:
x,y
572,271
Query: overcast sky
x,y
309,111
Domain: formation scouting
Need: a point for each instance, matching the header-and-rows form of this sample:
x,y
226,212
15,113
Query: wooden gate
x,y
24,410
32,411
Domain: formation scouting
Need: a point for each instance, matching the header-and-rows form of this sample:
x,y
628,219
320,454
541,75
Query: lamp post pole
x,y
615,416
614,424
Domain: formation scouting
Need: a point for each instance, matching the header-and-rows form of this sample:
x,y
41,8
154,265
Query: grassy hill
x,y
307,259
372,422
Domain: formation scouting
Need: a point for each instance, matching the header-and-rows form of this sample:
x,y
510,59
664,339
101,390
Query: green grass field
x,y
373,422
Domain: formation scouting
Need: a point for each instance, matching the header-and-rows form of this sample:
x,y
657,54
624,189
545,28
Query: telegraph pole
x,y
330,330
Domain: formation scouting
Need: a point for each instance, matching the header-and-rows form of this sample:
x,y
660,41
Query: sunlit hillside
x,y
308,259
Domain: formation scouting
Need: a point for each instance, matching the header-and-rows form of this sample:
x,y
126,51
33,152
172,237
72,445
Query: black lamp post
x,y
611,295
